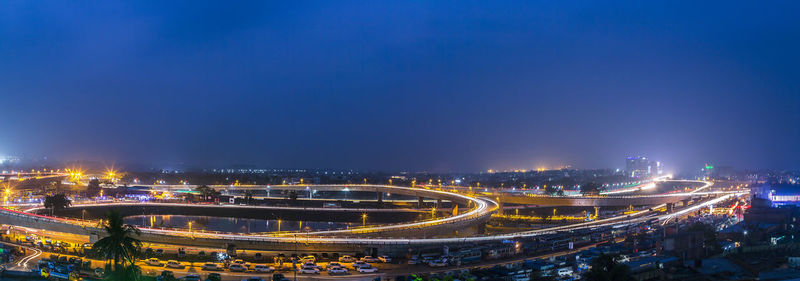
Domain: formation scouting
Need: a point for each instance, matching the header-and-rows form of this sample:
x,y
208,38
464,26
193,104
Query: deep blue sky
x,y
439,85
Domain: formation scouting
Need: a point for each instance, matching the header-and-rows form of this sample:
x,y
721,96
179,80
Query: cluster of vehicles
x,y
306,265
66,267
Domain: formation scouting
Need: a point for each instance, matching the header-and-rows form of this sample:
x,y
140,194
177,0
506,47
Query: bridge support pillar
x,y
596,211
438,203
499,206
421,202
670,208
685,202
380,197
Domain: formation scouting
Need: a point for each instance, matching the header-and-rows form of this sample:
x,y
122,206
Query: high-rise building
x,y
639,166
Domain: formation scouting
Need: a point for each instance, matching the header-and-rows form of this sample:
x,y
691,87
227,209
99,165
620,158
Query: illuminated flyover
x,y
609,200
341,243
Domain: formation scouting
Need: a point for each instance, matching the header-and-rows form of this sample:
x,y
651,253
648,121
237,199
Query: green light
x,y
709,167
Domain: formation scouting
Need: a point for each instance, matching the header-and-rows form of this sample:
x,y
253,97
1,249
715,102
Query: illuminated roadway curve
x,y
336,240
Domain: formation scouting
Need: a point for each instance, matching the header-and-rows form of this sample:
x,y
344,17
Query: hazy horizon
x,y
437,86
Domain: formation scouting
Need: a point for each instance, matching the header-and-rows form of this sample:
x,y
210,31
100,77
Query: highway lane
x,y
481,207
638,217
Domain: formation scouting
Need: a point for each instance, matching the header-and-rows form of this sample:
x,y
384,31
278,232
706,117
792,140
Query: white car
x,y
310,264
308,270
563,272
333,270
369,259
174,264
191,277
346,258
358,264
367,269
333,264
437,263
237,267
153,262
211,266
263,268
385,259
413,261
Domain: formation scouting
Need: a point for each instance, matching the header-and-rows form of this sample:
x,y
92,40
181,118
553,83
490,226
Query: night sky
x,y
419,85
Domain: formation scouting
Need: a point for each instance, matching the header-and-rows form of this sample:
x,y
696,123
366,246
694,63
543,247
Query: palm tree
x,y
119,245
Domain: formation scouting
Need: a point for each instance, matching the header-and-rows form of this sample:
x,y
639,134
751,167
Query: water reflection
x,y
232,224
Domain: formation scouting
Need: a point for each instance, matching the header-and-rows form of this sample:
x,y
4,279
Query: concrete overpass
x,y
339,242
607,200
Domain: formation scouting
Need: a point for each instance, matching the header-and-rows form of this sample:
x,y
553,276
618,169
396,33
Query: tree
x,y
591,188
206,192
248,196
93,188
292,196
56,202
120,246
551,189
606,268
126,273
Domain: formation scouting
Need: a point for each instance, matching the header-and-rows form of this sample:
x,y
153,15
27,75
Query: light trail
x,y
637,217
23,263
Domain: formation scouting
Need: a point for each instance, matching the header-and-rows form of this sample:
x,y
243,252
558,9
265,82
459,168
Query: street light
x,y
364,219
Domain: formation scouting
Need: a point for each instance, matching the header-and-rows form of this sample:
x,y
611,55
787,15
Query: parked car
x,y
413,260
358,264
263,268
347,258
367,269
165,275
308,270
333,264
253,279
311,264
174,264
369,259
309,258
214,277
211,266
564,272
437,263
191,277
153,262
385,259
241,262
237,267
334,270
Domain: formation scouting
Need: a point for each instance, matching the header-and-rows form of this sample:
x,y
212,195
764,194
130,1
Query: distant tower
x,y
640,166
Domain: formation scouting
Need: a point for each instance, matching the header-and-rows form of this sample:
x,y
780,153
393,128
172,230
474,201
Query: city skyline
x,y
401,86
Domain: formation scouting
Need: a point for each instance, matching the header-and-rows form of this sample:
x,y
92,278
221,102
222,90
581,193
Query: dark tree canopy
x,y
93,188
606,268
591,188
57,202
